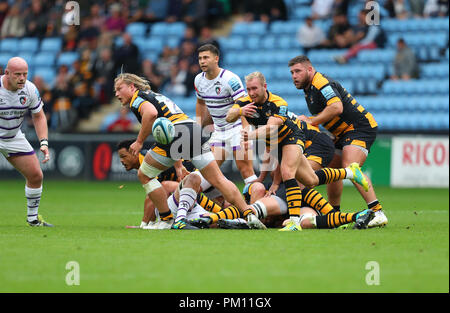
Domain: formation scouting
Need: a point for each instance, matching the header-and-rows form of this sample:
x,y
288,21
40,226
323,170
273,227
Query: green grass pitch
x,y
411,253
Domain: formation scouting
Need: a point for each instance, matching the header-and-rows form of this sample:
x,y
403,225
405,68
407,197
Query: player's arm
x,y
268,130
330,112
40,125
148,113
201,111
237,111
333,108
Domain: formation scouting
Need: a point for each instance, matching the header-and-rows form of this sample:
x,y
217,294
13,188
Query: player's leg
x,y
292,156
186,198
28,165
147,173
334,189
350,154
150,216
243,157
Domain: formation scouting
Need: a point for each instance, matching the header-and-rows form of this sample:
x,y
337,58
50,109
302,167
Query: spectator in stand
x,y
13,24
62,75
188,11
46,96
115,24
96,16
397,9
434,8
150,72
309,35
372,39
340,34
405,63
205,37
103,75
167,58
3,10
83,102
36,20
189,35
127,56
341,6
322,9
88,31
180,80
417,7
123,123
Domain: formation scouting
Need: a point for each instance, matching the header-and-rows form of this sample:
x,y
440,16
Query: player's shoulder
x,y
277,100
244,100
320,80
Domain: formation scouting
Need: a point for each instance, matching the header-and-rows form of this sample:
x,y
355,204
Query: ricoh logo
x,y
72,14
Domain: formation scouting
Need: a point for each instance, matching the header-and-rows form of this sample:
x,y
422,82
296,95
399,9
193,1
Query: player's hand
x,y
272,190
46,153
303,118
244,135
135,148
249,109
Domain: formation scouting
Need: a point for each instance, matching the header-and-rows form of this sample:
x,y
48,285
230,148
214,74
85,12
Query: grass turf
x,y
412,251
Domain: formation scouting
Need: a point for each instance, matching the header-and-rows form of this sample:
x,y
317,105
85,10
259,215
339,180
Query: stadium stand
x,y
416,105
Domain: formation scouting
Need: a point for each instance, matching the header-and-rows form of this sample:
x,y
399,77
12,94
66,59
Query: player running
x,y
282,133
17,96
354,128
188,144
217,89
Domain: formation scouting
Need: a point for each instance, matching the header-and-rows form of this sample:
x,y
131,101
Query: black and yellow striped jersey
x,y
310,132
164,106
325,91
274,106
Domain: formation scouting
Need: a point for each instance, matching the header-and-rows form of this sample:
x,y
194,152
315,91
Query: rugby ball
x,y
163,130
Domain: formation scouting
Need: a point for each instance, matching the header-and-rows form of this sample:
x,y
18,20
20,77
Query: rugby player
x,y
17,96
269,113
216,90
188,144
353,127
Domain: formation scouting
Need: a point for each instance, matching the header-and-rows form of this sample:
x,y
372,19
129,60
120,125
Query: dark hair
x,y
209,47
124,144
299,59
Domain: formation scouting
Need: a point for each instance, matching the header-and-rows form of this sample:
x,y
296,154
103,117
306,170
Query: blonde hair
x,y
257,75
128,78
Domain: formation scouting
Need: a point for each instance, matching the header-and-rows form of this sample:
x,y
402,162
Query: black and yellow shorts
x,y
363,138
320,149
296,138
189,144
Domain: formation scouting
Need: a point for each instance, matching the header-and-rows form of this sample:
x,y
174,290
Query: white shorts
x,y
18,145
195,212
229,140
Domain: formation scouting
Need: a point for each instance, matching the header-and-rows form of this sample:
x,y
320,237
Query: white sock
x,y
250,179
349,173
187,200
260,209
33,196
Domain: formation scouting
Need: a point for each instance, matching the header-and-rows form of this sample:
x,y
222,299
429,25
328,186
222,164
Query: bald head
x,y
16,72
17,64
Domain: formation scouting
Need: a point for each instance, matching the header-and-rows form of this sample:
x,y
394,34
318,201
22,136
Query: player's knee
x,y
258,190
307,221
35,178
310,181
287,173
192,181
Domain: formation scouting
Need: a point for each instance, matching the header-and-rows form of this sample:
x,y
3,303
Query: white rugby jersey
x,y
14,105
219,95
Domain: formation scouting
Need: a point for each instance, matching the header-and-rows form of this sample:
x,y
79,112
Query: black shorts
x,y
320,149
296,138
363,138
188,143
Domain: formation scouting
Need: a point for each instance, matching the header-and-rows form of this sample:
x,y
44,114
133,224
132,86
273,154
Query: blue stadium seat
x,y
53,44
168,29
28,45
9,45
249,28
231,43
136,29
4,58
47,73
253,42
43,59
435,70
301,12
153,43
29,57
284,27
67,58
